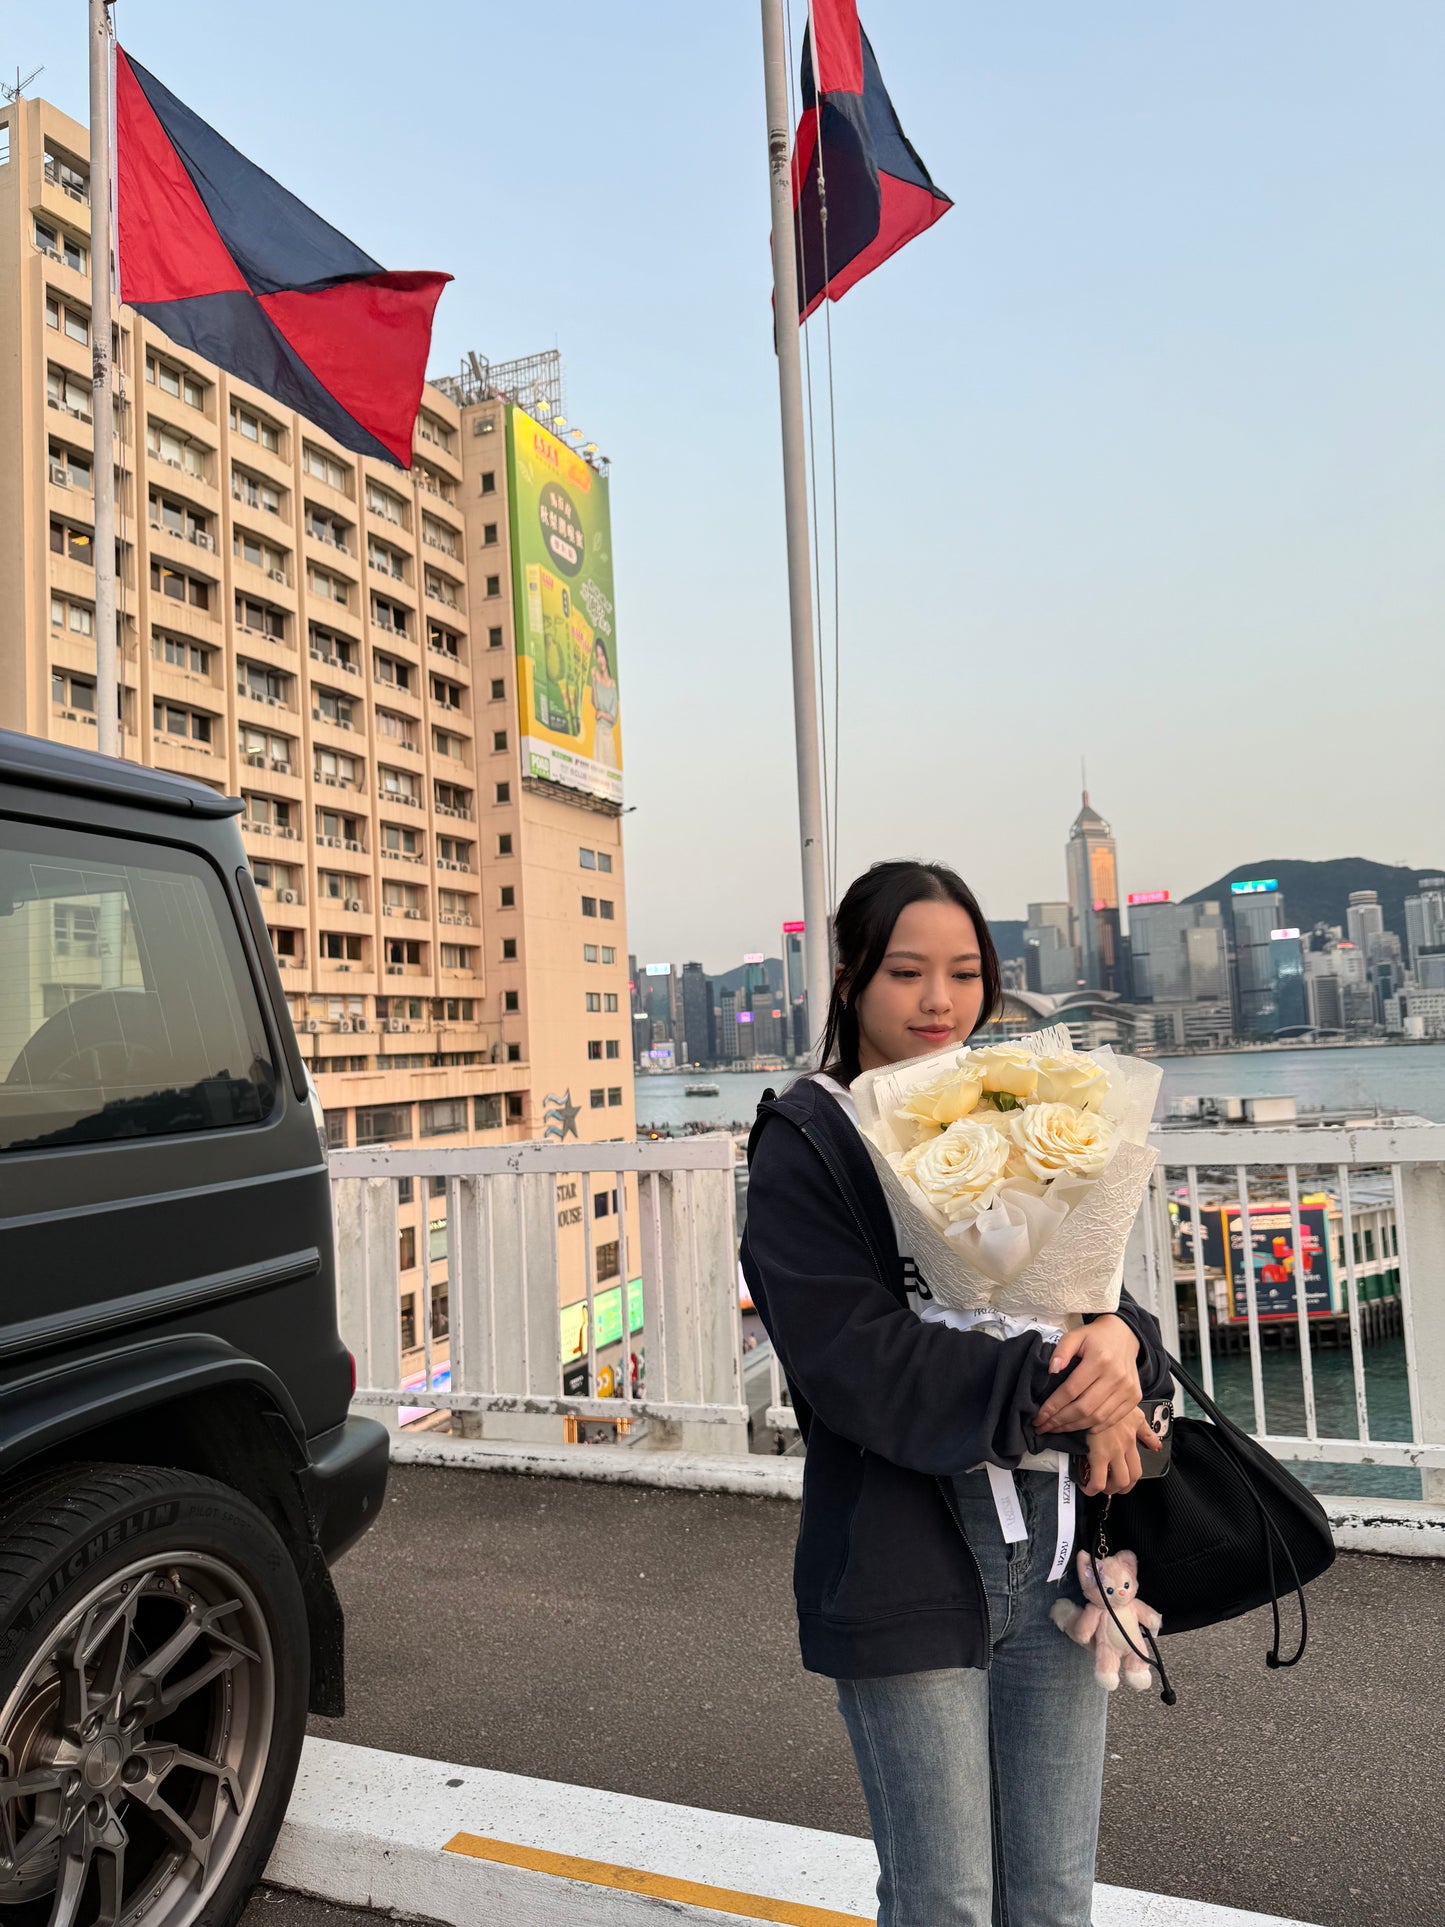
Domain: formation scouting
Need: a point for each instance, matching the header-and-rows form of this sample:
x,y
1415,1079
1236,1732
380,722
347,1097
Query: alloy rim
x,y
133,1748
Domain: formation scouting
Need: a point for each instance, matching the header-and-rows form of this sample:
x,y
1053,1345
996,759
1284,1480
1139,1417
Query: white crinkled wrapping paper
x,y
1041,1250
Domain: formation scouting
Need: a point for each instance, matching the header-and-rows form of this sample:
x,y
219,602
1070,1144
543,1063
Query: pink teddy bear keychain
x,y
1091,1625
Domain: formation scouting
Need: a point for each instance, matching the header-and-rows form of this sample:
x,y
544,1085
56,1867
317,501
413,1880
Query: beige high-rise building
x,y
331,639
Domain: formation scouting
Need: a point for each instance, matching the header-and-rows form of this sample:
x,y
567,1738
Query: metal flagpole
x,y
817,968
103,401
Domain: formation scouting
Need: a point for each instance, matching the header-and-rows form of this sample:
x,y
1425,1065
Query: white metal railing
x,y
676,1232
1404,1168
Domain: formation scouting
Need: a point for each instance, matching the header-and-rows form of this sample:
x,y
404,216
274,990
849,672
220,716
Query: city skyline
x,y
1136,449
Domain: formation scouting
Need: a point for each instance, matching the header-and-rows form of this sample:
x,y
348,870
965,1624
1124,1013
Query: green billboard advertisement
x,y
566,633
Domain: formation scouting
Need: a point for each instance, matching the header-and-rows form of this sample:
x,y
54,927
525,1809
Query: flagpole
x,y
103,400
816,958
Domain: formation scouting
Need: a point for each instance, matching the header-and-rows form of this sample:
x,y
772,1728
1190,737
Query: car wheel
x,y
153,1689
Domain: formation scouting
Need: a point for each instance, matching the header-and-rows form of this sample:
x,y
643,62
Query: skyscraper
x,y
1365,920
1425,918
1091,860
1257,908
700,1044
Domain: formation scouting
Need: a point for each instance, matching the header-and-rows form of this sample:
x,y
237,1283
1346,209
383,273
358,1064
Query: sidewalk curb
x,y
460,1844
1400,1528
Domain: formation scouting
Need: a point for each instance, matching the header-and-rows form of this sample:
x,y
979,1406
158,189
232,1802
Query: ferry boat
x,y
702,1090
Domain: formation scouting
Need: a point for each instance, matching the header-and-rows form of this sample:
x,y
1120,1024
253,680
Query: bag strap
x,y
1232,1437
1167,1693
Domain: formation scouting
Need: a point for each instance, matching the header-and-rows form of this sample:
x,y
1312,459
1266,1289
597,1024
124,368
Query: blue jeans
x,y
983,1785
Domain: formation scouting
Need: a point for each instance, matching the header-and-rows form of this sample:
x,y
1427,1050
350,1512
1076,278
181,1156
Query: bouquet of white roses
x,y
1015,1170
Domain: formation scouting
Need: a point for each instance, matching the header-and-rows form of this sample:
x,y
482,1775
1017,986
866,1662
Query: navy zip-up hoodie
x,y
891,1408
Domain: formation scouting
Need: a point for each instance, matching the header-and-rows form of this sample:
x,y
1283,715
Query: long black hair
x,y
862,929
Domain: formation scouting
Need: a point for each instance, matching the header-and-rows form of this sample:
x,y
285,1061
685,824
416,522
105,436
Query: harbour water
x,y
1404,1077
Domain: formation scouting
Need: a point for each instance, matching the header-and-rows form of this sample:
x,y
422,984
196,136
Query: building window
x,y
256,428
499,689
609,953
443,1116
605,907
594,1049
169,719
609,1001
56,242
72,692
511,1000
589,953
504,844
499,739
489,535
594,1000
614,1096
340,947
406,1248
504,792
588,859
509,896
383,1124
604,861
613,1048
514,1053
336,1130
597,1100
489,481
514,1107
325,468
494,638
509,949
494,585
589,906
608,1259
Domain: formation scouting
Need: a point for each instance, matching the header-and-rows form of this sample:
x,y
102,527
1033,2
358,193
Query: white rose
x,y
960,1171
1007,1071
950,1096
1072,1078
1055,1140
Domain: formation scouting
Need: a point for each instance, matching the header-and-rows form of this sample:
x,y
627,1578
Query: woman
x,y
604,704
977,1727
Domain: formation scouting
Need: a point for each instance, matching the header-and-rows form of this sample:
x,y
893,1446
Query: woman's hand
x,y
1103,1388
1114,1455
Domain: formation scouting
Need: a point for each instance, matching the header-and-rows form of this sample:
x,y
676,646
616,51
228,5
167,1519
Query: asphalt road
x,y
644,1641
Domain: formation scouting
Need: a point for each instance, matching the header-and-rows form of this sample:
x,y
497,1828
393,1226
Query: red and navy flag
x,y
852,157
229,264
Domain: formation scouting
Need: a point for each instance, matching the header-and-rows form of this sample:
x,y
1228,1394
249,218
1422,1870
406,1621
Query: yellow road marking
x,y
634,1880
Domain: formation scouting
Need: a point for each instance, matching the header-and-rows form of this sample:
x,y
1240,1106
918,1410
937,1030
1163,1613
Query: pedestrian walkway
x,y
641,1642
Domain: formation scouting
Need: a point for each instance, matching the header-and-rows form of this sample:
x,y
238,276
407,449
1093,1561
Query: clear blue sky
x,y
1142,448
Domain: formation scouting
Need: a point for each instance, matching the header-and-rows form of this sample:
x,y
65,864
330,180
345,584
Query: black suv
x,y
177,1466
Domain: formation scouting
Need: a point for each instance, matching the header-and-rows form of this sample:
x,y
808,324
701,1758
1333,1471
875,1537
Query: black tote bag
x,y
1226,1530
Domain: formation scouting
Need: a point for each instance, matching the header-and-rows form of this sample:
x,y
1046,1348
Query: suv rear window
x,y
126,1008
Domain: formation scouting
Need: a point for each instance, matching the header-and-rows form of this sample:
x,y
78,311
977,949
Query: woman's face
x,y
927,992
599,662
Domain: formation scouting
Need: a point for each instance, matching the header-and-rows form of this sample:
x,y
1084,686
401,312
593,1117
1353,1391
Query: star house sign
x,y
561,1114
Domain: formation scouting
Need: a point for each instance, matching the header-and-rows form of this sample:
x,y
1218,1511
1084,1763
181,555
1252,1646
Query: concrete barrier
x,y
465,1846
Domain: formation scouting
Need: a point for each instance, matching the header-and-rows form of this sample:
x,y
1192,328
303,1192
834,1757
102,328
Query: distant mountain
x,y
1320,892
733,979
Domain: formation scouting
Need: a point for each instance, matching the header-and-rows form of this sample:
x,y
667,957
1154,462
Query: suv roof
x,y
56,766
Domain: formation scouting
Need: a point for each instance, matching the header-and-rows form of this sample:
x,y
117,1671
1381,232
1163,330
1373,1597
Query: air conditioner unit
x,y
275,702
415,915
281,766
202,539
311,1027
353,903
358,1023
349,844
396,1024
394,970
276,575
60,475
332,842
446,917
256,762
344,1024
286,896
332,782
171,462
